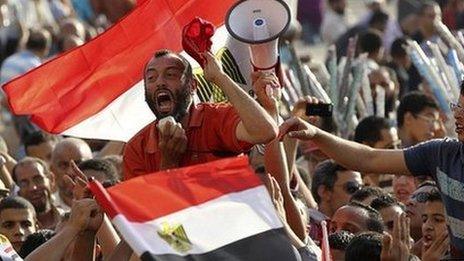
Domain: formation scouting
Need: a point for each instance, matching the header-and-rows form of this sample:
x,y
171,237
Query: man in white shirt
x,y
334,23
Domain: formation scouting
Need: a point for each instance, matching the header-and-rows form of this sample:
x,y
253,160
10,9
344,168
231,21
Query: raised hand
x,y
262,81
77,182
396,247
437,249
85,215
173,144
297,128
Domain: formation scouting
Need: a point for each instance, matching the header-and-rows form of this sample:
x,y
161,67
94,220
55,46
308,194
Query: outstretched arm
x,y
350,154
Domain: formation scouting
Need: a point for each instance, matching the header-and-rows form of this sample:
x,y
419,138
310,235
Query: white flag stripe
x,y
120,120
210,225
128,114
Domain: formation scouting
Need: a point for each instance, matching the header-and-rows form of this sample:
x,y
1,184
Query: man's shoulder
x,y
142,134
212,109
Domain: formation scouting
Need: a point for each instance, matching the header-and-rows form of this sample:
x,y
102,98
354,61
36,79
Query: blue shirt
x,y
445,159
18,64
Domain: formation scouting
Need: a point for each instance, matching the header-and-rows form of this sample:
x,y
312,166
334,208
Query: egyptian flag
x,y
214,211
96,90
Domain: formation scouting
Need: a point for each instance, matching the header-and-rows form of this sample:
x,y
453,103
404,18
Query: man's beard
x,y
182,101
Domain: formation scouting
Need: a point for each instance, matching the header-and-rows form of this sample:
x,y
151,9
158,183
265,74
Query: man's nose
x,y
19,231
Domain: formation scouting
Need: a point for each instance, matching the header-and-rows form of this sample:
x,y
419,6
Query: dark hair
x,y
187,67
426,4
374,221
378,17
397,49
370,42
365,246
16,202
30,160
340,240
38,137
366,192
433,196
369,129
385,201
38,40
101,165
35,240
414,102
325,174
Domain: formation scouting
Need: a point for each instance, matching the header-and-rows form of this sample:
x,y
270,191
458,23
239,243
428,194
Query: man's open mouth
x,y
164,101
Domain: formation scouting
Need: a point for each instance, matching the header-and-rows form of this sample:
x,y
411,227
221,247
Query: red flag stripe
x,y
138,199
76,85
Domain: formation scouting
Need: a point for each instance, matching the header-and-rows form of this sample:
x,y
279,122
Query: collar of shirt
x,y
195,121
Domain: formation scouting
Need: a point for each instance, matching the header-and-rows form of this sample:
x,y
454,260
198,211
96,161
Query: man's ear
x,y
52,178
324,193
193,84
408,118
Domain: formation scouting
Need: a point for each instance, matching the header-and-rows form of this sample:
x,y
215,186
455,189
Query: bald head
x,y
73,145
67,150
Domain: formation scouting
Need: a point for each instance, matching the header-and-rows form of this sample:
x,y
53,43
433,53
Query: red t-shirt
x,y
210,134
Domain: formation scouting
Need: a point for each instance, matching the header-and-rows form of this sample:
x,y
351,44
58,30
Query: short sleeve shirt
x,y
445,159
211,135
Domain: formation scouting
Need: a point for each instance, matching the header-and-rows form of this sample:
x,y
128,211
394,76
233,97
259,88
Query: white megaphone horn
x,y
259,23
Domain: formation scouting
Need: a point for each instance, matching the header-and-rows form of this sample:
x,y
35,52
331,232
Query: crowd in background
x,y
46,212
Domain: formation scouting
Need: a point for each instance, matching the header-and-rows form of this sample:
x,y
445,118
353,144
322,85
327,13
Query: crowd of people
x,y
385,186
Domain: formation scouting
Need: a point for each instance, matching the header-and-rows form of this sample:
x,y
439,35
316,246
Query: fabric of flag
x,y
214,211
97,91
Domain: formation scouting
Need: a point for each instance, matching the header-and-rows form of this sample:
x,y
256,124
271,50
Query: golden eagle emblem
x,y
175,236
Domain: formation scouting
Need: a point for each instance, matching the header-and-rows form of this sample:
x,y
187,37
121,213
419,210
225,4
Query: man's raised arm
x,y
350,154
256,125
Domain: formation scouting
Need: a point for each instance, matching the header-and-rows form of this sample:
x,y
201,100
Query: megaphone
x,y
259,23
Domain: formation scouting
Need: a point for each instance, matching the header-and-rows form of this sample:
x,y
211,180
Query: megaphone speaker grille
x,y
258,21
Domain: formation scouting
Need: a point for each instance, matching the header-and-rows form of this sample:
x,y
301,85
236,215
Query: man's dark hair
x,y
37,41
385,201
425,5
365,246
398,48
104,166
16,202
369,129
414,102
378,18
433,196
370,42
30,160
325,174
374,221
366,192
340,240
38,137
187,67
35,240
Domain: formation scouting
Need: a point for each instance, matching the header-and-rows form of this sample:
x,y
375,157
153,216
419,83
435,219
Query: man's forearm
x,y
360,157
257,122
84,248
55,248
